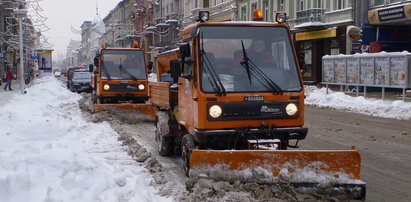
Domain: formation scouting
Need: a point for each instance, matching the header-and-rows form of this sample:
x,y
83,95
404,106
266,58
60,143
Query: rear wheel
x,y
187,144
164,142
92,102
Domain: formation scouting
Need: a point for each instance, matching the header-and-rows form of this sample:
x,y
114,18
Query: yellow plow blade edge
x,y
146,109
333,161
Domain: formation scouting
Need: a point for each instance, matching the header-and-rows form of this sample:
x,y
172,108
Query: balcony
x,y
314,15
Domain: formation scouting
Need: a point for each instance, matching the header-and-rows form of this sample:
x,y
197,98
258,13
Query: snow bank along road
x,y
49,152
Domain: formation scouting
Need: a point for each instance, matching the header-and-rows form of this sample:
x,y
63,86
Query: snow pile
x,y
48,152
368,106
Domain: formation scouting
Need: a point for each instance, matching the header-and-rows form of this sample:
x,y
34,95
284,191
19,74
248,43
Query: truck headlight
x,y
215,111
106,87
291,109
141,87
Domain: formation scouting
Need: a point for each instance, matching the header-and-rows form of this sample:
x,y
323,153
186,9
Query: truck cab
x,y
120,76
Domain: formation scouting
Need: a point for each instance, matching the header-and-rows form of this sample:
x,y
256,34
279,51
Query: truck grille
x,y
123,87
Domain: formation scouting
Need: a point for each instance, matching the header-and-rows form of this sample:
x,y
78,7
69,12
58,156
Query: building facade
x,y
73,53
91,32
9,38
319,27
386,27
119,25
85,45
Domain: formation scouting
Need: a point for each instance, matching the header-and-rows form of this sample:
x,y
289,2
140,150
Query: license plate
x,y
254,98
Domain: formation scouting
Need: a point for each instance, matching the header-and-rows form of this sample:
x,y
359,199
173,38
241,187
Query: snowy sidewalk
x,y
49,152
5,96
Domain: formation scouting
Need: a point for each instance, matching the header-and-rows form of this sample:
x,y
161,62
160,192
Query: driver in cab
x,y
257,53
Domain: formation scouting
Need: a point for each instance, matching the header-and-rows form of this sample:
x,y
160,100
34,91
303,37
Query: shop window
x,y
335,47
394,1
305,58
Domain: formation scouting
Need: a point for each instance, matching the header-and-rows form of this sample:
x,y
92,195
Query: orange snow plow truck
x,y
120,81
231,99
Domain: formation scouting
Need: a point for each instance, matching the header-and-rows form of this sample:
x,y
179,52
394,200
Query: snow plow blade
x,y
146,109
341,168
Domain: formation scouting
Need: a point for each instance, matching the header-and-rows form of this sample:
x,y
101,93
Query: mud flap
x,y
146,109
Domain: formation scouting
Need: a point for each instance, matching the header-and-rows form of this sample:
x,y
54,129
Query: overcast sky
x,y
62,14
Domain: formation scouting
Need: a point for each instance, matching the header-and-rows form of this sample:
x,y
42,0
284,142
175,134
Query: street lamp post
x,y
20,14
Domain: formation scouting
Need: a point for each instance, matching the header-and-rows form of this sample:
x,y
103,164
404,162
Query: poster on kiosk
x,y
44,60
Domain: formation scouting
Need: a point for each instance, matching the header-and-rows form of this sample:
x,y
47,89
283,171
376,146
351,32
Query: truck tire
x,y
165,145
164,141
187,144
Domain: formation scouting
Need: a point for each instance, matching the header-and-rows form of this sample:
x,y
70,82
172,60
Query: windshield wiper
x,y
261,74
248,64
105,71
131,75
245,61
210,71
218,85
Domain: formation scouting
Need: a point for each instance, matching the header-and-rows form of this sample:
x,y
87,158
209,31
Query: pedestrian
x,y
9,77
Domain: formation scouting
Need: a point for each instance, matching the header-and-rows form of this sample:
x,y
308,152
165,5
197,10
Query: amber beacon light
x,y
258,15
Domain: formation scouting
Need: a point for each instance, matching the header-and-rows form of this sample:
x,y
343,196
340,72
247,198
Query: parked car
x,y
81,81
70,72
57,74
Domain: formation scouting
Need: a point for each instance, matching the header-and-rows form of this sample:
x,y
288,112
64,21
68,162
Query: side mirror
x,y
185,50
175,69
90,67
96,61
150,67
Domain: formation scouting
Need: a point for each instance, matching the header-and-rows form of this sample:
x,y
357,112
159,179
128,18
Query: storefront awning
x,y
390,14
319,34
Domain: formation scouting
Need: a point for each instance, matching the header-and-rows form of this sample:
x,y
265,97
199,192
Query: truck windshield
x,y
123,64
268,64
